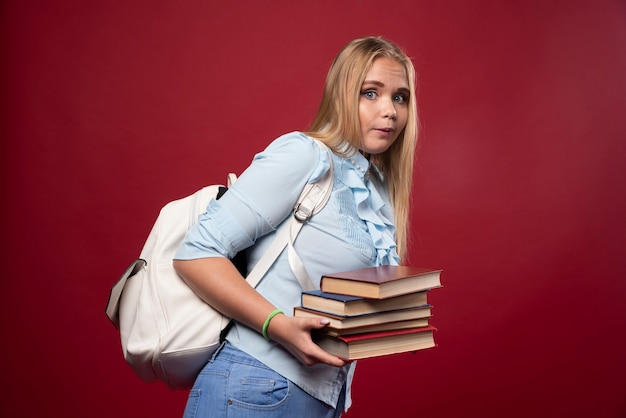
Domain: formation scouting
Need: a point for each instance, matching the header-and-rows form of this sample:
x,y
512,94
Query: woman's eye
x,y
400,98
369,94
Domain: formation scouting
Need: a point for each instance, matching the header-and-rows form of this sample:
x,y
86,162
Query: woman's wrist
x,y
269,318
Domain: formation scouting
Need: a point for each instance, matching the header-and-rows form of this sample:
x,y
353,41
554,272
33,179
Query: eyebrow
x,y
381,84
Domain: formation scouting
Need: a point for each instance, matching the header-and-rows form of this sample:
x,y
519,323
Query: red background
x,y
112,108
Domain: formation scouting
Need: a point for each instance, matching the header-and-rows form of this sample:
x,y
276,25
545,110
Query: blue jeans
x,y
236,385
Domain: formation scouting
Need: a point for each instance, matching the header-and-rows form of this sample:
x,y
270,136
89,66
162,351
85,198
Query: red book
x,y
375,344
381,282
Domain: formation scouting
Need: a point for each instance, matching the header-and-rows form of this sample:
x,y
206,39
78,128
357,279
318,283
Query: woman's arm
x,y
217,282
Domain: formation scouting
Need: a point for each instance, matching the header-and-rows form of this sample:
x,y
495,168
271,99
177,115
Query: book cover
x,y
386,326
381,282
353,305
360,346
344,322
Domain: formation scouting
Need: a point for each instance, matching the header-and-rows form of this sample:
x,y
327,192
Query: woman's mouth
x,y
384,131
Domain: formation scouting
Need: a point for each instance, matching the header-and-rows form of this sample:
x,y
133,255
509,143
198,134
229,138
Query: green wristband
x,y
267,322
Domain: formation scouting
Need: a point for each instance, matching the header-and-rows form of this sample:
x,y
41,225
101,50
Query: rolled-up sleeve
x,y
259,201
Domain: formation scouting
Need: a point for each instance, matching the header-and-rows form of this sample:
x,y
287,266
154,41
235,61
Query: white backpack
x,y
167,332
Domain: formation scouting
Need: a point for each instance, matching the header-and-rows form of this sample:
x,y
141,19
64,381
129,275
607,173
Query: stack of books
x,y
373,311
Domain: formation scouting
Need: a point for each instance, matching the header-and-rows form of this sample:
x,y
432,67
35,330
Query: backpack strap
x,y
313,198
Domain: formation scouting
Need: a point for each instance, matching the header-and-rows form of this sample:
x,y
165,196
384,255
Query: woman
x,y
368,118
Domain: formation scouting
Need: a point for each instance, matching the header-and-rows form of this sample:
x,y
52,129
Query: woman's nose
x,y
389,110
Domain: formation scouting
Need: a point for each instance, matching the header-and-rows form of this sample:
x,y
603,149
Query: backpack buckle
x,y
302,213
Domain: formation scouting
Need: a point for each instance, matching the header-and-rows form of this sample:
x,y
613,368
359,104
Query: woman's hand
x,y
294,334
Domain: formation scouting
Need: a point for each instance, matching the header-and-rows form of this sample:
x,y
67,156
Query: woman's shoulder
x,y
301,151
295,140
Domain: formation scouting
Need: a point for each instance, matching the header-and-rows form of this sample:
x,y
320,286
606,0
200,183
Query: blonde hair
x,y
337,121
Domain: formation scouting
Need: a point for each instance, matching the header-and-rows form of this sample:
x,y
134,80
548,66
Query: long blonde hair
x,y
337,121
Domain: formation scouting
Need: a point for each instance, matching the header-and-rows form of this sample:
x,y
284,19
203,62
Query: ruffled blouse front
x,y
372,208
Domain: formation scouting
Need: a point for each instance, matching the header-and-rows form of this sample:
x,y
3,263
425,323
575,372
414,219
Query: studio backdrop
x,y
112,108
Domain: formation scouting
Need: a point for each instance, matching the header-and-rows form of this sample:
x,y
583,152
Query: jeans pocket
x,y
263,392
257,386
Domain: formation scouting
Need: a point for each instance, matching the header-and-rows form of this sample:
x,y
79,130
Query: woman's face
x,y
383,105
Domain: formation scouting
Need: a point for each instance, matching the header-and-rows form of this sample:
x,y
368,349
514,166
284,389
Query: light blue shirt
x,y
354,230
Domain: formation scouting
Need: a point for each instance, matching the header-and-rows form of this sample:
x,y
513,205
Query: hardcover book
x,y
387,326
353,305
360,346
344,322
381,282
